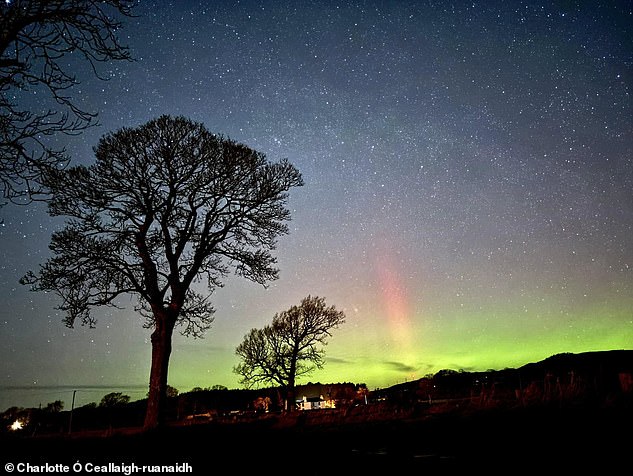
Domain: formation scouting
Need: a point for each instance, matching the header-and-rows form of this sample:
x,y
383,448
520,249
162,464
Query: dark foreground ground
x,y
541,440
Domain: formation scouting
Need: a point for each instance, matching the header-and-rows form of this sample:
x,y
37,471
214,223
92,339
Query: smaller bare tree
x,y
289,348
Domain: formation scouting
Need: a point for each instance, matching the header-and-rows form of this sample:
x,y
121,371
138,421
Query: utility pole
x,y
72,407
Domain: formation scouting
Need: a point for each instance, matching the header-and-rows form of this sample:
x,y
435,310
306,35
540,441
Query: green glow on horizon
x,y
471,344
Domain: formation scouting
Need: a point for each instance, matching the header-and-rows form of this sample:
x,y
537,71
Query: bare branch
x,y
166,205
290,347
34,36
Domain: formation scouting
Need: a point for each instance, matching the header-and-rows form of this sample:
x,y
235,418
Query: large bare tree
x,y
38,39
289,348
165,206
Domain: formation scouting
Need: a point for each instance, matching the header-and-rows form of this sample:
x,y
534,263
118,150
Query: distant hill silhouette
x,y
599,362
599,372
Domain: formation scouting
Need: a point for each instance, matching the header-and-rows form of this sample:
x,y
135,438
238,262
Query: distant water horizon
x,y
35,396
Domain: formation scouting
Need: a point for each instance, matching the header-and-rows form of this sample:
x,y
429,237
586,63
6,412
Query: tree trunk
x,y
161,351
291,395
291,399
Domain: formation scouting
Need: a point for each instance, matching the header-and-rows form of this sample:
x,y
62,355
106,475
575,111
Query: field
x,y
536,439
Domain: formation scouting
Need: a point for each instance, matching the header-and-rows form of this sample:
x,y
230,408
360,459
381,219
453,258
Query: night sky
x,y
468,187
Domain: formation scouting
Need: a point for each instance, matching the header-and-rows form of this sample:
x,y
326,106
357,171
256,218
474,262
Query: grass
x,y
372,440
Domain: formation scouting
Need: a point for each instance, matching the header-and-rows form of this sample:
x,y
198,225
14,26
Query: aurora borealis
x,y
468,197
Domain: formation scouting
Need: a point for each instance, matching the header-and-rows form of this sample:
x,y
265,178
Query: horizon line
x,y
71,387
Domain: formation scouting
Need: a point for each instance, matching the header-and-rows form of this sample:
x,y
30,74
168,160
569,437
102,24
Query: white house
x,y
314,403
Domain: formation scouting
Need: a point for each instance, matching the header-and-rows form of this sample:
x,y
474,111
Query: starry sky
x,y
468,186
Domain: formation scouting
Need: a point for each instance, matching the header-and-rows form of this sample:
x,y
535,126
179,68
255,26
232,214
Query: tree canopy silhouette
x,y
288,348
166,205
114,399
34,37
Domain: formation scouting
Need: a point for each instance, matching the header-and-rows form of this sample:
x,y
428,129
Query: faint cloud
x,y
400,367
337,360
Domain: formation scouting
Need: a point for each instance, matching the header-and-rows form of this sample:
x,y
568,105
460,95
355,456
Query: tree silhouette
x,y
288,348
34,37
172,391
114,399
54,407
166,206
